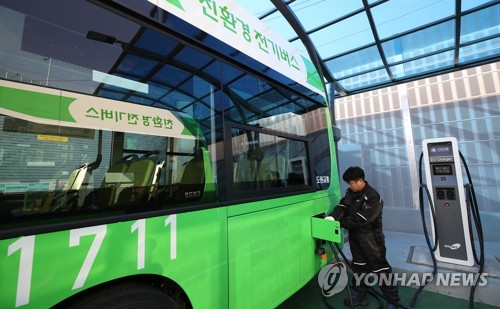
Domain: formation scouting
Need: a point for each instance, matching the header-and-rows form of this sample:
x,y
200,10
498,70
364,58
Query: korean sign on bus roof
x,y
232,24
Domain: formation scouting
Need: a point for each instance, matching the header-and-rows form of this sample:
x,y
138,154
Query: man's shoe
x,y
391,306
357,299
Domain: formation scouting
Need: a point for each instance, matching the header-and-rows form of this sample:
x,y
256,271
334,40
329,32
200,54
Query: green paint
x,y
313,77
271,254
56,264
36,104
326,229
258,258
176,3
191,127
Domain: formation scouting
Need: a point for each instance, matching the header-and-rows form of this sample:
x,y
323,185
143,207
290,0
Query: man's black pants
x,y
369,257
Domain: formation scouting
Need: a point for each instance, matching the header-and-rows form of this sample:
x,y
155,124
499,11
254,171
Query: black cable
x,y
325,299
431,248
372,293
470,214
431,208
326,303
348,287
474,209
426,234
372,290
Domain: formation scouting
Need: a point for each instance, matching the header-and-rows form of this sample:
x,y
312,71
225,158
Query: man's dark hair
x,y
353,173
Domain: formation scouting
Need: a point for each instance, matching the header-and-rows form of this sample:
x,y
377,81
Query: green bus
x,y
147,162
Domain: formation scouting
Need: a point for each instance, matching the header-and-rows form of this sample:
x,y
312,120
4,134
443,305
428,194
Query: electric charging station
x,y
444,180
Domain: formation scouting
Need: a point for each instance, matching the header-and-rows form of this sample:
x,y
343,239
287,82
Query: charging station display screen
x,y
442,169
440,150
440,153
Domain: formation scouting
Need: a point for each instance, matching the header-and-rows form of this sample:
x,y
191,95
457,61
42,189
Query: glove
x,y
338,212
330,218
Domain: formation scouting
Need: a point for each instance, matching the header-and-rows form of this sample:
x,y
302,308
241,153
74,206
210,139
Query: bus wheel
x,y
127,295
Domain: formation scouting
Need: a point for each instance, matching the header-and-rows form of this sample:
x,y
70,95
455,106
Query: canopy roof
x,y
368,44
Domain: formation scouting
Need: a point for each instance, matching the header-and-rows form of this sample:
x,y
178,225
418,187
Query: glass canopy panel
x,y
193,57
140,100
479,50
155,43
479,38
343,36
156,91
201,111
280,26
197,86
248,86
228,73
469,4
395,17
117,89
111,94
300,45
257,8
290,107
170,75
268,100
425,41
365,80
423,65
212,71
316,13
135,66
480,24
355,63
217,100
171,98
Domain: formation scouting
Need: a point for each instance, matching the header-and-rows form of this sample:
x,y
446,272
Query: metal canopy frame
x,y
284,8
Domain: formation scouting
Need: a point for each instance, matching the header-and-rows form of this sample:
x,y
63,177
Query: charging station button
x,y
446,205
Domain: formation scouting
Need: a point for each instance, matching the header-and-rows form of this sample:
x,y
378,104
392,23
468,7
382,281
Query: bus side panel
x,y
271,253
190,248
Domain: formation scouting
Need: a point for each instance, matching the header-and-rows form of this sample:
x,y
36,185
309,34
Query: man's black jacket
x,y
360,211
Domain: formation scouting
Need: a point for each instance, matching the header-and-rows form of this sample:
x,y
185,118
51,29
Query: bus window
x,y
46,173
267,162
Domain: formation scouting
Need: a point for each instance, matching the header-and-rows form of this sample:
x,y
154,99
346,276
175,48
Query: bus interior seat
x,y
68,196
77,178
105,195
244,174
155,182
142,172
270,170
192,180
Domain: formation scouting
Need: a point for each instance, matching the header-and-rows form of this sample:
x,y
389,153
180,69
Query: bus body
x,y
144,161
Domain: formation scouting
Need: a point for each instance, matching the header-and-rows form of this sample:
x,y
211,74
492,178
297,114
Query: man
x,y
360,211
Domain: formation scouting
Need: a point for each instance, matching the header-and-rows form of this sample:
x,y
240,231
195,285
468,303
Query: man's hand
x,y
338,212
